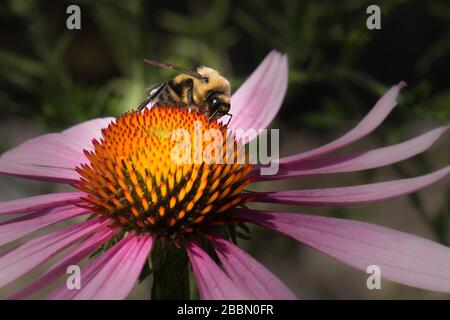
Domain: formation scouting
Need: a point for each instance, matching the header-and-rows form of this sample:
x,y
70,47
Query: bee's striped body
x,y
209,93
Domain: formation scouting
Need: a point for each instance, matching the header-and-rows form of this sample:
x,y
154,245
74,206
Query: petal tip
x,y
402,84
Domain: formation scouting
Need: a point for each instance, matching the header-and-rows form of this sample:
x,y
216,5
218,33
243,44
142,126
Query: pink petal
x,y
73,258
22,226
212,282
38,203
255,104
52,157
375,117
248,274
353,195
357,161
402,257
33,253
37,172
84,132
112,275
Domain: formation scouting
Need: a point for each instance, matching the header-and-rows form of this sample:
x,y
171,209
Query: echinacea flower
x,y
132,191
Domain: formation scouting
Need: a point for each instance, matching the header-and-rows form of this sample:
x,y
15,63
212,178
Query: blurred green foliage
x,y
338,67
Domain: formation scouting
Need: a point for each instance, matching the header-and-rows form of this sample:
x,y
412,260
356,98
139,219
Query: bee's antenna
x,y
176,68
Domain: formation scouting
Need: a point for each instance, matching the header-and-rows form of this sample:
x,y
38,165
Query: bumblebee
x,y
204,90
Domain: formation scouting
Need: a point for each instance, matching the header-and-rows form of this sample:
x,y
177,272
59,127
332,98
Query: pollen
x,y
154,171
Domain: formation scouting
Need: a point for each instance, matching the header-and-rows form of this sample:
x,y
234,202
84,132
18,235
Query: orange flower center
x,y
139,175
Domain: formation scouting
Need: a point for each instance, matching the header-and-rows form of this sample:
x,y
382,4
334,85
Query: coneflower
x,y
135,194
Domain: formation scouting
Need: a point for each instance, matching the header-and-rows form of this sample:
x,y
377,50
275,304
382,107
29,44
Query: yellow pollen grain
x,y
145,204
133,178
229,205
135,212
128,196
179,175
198,195
190,206
202,185
214,197
117,203
189,186
214,185
217,172
148,183
122,184
239,188
230,179
154,196
163,188
206,209
181,214
199,219
173,201
139,192
182,194
225,171
103,193
112,188
171,181
224,193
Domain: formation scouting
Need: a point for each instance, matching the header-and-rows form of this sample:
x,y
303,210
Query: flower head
x,y
132,175
136,194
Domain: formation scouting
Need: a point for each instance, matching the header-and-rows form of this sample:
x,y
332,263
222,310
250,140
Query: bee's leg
x,y
213,114
227,114
229,120
153,94
144,103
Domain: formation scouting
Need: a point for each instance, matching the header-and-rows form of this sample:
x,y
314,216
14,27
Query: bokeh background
x,y
52,77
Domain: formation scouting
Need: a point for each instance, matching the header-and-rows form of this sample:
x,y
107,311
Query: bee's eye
x,y
215,103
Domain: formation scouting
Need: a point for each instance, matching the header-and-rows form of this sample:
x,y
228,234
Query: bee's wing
x,y
152,94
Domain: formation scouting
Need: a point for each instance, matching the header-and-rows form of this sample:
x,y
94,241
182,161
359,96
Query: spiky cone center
x,y
133,176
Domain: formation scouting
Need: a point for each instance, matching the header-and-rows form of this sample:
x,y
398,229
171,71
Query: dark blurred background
x,y
52,77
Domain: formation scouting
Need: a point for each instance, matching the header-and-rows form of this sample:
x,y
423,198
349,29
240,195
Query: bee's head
x,y
216,93
218,104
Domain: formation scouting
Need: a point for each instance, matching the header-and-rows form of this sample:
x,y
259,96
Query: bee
x,y
203,90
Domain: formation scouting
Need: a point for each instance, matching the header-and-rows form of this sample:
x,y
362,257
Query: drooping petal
x,y
39,203
373,119
22,226
52,157
357,161
212,282
353,195
72,258
255,104
33,253
248,274
401,257
112,275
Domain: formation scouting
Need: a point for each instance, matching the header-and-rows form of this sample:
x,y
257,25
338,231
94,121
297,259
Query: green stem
x,y
171,272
